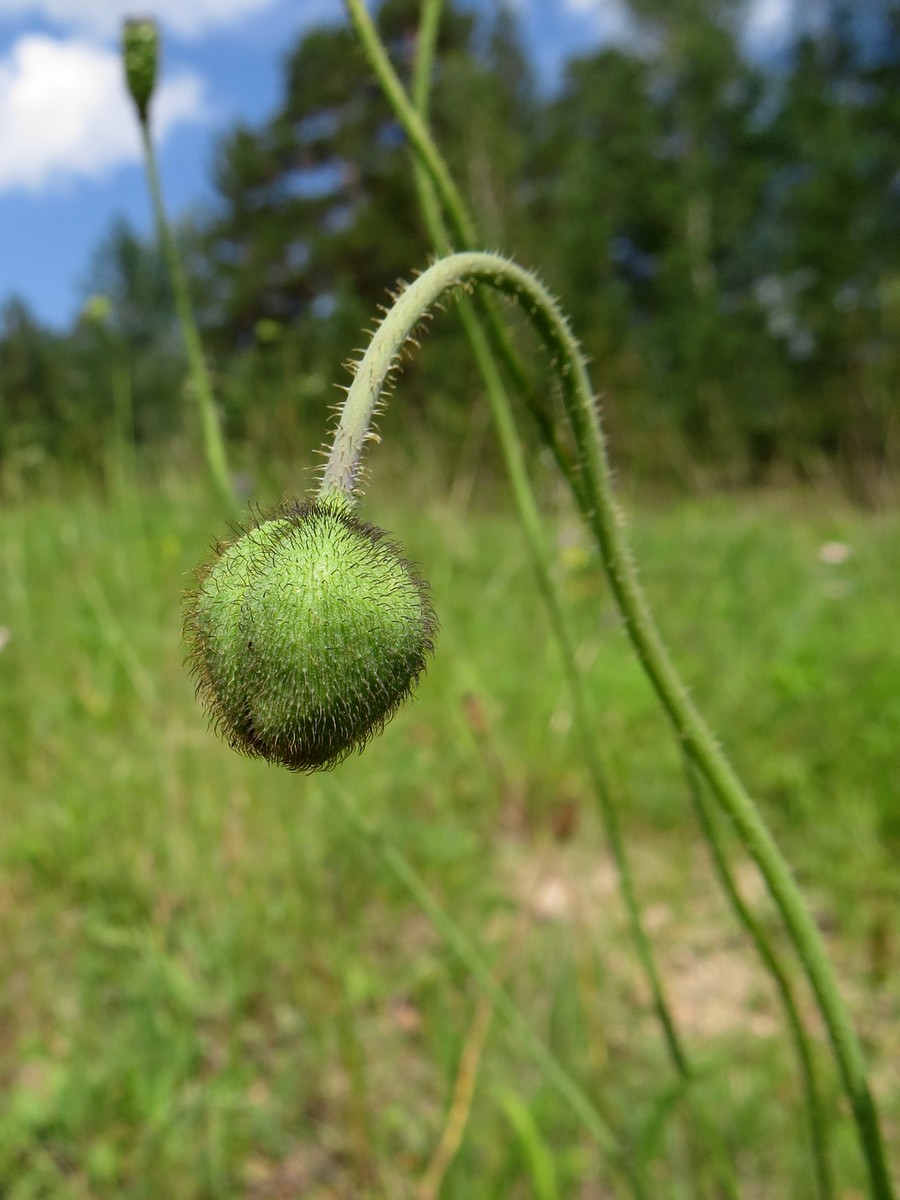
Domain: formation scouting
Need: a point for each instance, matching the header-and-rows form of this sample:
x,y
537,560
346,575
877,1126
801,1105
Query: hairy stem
x,y
339,478
381,356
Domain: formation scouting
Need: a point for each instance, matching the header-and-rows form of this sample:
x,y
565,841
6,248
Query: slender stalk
x,y
429,21
818,1126
340,476
461,224
213,442
426,44
462,947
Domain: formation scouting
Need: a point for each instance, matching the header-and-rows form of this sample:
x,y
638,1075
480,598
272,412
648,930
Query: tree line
x,y
724,231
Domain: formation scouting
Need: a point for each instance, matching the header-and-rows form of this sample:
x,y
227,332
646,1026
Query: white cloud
x,y
64,112
104,17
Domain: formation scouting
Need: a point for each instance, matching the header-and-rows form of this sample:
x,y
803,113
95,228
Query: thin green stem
x,y
818,1126
466,953
426,44
415,126
429,21
340,476
213,442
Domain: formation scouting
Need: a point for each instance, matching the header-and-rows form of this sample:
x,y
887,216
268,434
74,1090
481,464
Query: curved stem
x,y
410,308
213,443
340,476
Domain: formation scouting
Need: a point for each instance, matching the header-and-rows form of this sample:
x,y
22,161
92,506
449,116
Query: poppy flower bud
x,y
140,49
306,634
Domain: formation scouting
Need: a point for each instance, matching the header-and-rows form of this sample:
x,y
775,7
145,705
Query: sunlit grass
x,y
210,989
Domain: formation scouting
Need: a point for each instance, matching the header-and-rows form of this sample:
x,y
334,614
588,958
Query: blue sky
x,y
69,154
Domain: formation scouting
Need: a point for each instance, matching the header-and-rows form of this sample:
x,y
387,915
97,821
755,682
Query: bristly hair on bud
x,y
140,50
306,633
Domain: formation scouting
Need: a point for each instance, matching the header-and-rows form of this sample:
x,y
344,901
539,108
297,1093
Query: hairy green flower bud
x,y
306,633
140,49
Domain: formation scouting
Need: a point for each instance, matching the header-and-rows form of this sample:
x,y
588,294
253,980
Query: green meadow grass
x,y
210,988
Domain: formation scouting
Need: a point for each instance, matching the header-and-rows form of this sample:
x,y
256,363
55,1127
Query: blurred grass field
x,y
210,988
